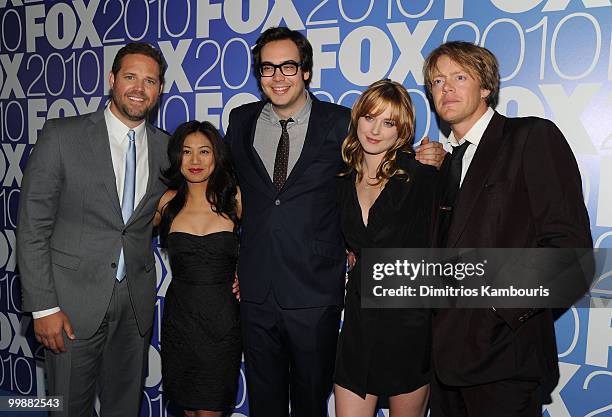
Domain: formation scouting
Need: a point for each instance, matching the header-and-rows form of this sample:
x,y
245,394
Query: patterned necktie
x,y
281,162
452,189
129,193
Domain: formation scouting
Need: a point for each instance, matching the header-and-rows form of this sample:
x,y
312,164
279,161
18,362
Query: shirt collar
x,y
301,116
474,135
117,129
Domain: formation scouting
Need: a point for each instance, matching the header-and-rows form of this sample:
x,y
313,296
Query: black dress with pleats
x,y
386,352
201,347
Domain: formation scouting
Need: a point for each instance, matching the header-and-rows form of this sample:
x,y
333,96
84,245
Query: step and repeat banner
x,y
556,62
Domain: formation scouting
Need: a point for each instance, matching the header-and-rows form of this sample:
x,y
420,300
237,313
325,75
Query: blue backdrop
x,y
556,62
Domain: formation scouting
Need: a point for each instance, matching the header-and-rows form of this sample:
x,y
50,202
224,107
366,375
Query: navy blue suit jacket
x,y
291,240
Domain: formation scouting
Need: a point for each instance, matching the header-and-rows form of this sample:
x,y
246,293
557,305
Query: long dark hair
x,y
221,189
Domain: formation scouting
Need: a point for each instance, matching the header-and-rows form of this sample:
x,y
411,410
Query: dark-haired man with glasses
x,y
286,151
288,68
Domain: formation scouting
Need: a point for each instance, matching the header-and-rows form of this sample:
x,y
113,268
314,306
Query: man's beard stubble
x,y
126,111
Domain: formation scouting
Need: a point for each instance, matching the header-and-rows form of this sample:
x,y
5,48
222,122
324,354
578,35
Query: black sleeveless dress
x,y
201,347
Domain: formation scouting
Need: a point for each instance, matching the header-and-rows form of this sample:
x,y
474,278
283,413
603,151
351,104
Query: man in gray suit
x,y
85,258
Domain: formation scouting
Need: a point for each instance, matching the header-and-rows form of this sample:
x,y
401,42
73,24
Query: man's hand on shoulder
x,y
351,260
236,287
49,331
430,153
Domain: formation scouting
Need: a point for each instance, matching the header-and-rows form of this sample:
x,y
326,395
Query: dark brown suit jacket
x,y
522,190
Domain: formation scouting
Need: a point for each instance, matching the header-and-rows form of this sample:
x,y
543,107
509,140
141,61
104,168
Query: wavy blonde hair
x,y
380,96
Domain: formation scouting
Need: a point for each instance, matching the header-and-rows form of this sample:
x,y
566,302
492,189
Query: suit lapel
x,y
101,162
390,200
319,125
251,154
476,176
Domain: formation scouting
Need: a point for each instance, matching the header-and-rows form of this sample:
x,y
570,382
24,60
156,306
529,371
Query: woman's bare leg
x,y
412,404
349,404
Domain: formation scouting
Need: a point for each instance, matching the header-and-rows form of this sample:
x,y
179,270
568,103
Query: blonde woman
x,y
386,200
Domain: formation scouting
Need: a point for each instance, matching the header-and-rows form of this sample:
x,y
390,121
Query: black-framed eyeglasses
x,y
287,68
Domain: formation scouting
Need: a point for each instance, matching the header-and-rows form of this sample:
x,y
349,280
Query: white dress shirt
x,y
474,136
119,143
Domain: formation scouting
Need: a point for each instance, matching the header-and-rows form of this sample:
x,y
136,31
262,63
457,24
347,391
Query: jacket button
x,y
113,265
522,319
277,203
123,232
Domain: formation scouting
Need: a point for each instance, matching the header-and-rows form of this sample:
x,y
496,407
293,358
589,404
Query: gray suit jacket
x,y
70,229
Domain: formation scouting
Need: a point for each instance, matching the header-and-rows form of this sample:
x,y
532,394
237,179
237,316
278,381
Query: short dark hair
x,y
142,49
479,62
278,34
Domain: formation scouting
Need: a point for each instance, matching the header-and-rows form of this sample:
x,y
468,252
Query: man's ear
x,y
111,79
484,93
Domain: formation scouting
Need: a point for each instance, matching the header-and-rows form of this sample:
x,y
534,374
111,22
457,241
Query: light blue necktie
x,y
129,192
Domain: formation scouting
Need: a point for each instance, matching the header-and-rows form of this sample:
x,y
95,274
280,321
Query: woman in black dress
x,y
386,200
198,217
